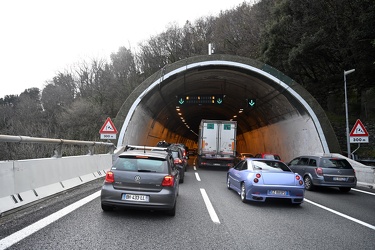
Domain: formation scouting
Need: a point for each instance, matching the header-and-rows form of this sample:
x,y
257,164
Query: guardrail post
x,y
91,150
57,151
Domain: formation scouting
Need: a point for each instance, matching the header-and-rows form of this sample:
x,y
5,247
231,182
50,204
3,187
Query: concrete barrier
x,y
25,181
365,174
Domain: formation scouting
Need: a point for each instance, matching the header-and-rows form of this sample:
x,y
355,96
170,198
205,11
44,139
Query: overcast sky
x,y
42,37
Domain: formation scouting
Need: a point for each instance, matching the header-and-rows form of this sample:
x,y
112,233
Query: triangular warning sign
x,y
359,129
108,127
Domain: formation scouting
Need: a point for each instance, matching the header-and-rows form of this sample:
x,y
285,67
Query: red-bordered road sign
x,y
108,127
359,129
359,133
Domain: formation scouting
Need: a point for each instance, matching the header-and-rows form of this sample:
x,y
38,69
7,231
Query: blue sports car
x,y
259,179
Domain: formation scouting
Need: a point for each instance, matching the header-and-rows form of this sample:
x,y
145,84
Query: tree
x,y
315,41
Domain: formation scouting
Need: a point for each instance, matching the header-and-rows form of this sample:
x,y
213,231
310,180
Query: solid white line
x,y
354,189
342,215
197,177
29,230
209,206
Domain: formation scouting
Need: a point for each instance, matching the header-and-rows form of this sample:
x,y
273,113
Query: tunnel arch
x,y
286,118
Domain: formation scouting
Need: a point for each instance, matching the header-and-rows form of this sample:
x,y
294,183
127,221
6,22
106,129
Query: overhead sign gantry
x,y
200,99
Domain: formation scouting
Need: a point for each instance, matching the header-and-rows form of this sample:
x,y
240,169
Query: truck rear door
x,y
227,132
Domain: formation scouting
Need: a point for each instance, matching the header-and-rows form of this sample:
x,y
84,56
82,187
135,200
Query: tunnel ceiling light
x,y
179,114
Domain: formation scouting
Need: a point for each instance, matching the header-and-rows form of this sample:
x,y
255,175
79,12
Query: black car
x,y
163,144
185,153
142,178
178,160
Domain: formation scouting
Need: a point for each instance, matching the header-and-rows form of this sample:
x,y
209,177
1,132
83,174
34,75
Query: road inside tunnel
x,y
283,118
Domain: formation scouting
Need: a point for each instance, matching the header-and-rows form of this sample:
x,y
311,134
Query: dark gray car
x,y
142,178
324,171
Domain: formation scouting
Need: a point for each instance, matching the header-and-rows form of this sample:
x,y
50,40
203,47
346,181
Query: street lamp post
x,y
346,112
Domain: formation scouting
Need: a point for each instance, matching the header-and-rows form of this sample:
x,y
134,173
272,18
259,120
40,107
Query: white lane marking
x,y
342,215
209,206
195,168
354,189
29,230
197,177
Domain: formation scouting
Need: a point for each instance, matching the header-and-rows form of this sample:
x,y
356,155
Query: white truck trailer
x,y
217,143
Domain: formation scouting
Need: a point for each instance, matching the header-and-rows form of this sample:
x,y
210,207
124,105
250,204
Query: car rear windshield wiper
x,y
145,170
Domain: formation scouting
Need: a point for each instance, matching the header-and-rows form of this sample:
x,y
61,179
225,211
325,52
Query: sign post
x,y
108,130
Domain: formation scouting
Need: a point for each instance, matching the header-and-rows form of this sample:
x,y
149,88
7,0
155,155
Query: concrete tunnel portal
x,y
286,119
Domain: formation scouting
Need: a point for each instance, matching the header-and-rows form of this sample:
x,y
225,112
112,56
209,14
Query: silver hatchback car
x,y
324,171
142,178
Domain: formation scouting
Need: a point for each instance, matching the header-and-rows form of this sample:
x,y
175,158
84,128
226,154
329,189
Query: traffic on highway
x,y
208,216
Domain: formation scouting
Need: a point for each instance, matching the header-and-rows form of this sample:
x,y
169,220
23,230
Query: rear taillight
x,y
168,181
298,178
177,161
109,177
319,171
256,180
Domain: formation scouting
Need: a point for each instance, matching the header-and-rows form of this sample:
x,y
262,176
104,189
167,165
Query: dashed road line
x,y
209,206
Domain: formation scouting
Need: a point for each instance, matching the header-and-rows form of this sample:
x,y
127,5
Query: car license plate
x,y
277,192
135,197
340,178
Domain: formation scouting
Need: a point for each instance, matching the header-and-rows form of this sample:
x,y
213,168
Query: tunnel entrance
x,y
273,112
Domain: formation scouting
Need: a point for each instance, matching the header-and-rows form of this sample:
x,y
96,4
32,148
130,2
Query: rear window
x,y
270,165
272,157
141,165
335,163
175,154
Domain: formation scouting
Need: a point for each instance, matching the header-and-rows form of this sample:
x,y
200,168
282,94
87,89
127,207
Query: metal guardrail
x,y
370,163
58,142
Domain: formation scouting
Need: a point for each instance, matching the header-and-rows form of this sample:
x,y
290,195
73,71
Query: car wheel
x,y
107,208
172,212
345,189
243,192
228,182
308,183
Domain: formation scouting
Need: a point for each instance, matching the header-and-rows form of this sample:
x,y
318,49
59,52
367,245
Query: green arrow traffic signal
x,y
181,101
219,101
251,102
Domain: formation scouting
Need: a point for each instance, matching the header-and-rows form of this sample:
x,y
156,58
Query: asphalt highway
x,y
209,216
